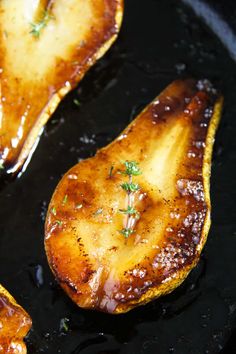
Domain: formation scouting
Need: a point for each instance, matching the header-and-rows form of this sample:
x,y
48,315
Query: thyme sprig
x,y
129,211
37,27
131,169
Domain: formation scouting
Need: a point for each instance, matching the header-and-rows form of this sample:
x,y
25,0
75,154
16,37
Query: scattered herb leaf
x,y
65,199
54,211
1,166
111,170
59,222
37,27
126,232
76,102
64,324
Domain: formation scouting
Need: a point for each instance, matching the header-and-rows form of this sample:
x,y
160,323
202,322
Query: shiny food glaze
x,y
37,72
172,141
14,325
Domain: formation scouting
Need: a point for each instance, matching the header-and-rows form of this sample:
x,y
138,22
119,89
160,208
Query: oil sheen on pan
x,y
59,41
127,225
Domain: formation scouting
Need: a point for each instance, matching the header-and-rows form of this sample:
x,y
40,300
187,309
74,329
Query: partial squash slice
x,y
46,48
128,225
14,325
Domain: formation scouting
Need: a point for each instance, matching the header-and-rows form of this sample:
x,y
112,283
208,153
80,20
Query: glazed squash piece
x,y
46,48
128,225
14,325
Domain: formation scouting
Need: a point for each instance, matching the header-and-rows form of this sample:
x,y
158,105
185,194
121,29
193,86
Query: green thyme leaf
x,y
76,102
126,232
59,222
132,168
37,27
54,211
65,199
129,211
130,187
1,166
64,324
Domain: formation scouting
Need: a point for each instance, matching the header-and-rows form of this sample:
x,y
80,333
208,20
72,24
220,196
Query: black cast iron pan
x,y
160,41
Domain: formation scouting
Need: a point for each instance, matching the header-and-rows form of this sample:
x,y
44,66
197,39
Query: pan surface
x,y
160,41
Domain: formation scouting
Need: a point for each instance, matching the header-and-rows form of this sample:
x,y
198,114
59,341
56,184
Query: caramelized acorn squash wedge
x,y
15,323
105,263
46,48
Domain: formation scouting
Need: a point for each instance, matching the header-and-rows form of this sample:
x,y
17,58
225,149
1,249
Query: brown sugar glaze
x,y
92,261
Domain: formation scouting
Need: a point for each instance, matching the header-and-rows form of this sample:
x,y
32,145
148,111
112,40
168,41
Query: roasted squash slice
x,y
128,225
46,48
14,325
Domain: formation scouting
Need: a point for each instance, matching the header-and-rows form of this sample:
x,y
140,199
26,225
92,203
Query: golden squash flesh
x,y
14,325
46,48
171,141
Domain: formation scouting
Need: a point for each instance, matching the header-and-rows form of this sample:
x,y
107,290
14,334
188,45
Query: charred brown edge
x,y
204,86
88,62
212,97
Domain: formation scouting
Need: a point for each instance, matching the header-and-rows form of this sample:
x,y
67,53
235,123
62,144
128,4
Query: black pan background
x,y
160,41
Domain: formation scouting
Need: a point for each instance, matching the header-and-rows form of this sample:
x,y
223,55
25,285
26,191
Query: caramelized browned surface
x,y
35,73
172,142
14,325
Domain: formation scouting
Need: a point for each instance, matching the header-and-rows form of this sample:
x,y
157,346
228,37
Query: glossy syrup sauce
x,y
159,42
